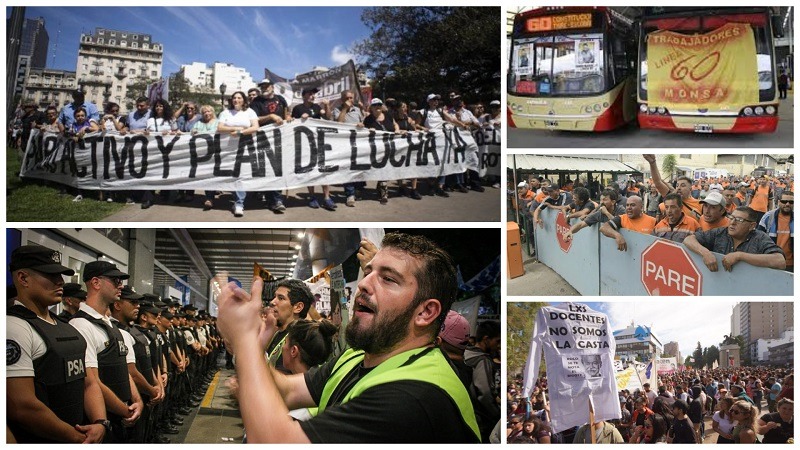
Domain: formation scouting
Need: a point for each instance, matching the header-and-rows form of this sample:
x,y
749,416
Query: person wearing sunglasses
x,y
108,363
779,225
739,241
744,413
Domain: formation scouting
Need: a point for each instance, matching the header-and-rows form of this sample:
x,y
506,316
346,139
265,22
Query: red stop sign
x,y
562,226
668,270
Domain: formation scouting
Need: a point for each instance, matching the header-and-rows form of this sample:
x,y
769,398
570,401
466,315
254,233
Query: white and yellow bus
x,y
708,70
572,69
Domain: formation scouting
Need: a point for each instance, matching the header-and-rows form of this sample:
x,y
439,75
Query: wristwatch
x,y
105,423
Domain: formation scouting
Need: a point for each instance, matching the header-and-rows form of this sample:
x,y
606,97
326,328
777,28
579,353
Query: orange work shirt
x,y
724,222
760,199
644,224
784,239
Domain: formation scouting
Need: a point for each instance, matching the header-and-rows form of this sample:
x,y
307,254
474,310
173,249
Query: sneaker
x,y
384,200
351,201
238,210
415,195
129,201
77,198
313,204
440,192
109,200
461,188
496,186
278,207
328,204
207,205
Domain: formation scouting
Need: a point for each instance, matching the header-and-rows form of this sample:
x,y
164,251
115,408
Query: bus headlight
x,y
662,110
770,110
748,111
587,109
652,109
596,107
643,108
759,110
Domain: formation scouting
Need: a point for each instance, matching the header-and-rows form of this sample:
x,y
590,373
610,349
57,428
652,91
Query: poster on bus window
x,y
587,55
524,59
718,69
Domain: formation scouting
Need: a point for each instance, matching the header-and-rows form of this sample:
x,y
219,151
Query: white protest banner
x,y
322,294
578,346
628,379
666,365
488,141
296,154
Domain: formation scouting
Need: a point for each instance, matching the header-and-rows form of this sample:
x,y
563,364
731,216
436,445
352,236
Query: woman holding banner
x,y
206,125
406,124
378,120
237,120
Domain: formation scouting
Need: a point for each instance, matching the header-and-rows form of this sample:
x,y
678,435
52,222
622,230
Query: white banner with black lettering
x,y
295,154
488,141
578,346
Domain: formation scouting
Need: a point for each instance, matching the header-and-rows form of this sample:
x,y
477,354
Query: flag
x,y
330,83
483,280
158,90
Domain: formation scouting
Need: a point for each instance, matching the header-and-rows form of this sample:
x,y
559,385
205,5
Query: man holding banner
x,y
271,108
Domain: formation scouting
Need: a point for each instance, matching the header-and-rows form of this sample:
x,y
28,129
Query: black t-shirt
x,y
387,124
265,106
781,434
396,412
683,431
314,111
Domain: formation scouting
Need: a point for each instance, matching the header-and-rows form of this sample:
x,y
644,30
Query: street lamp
x,y
222,88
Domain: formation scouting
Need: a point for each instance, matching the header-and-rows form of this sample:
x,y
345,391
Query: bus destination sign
x,y
559,22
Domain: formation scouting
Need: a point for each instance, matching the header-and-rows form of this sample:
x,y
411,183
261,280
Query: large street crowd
x,y
737,405
244,114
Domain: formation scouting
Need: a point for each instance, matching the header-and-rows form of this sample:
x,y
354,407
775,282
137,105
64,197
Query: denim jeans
x,y
240,196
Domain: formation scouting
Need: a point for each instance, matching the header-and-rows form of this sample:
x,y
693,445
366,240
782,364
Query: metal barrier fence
x,y
592,264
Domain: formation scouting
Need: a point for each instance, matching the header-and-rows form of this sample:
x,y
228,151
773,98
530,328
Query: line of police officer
x,y
121,367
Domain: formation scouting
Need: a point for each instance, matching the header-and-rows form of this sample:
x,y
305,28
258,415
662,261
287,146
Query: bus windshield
x,y
702,24
561,64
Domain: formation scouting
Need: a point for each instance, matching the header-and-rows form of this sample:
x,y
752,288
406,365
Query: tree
x,y
711,356
688,362
420,50
744,350
520,319
698,356
181,90
668,165
136,89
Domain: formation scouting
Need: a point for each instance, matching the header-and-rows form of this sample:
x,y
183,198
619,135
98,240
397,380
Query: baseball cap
x,y
376,101
102,269
737,386
522,184
551,188
310,91
494,103
190,308
148,307
433,96
455,330
38,258
264,81
714,198
130,294
74,290
167,315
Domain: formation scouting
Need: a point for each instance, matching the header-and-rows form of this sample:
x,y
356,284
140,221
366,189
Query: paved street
x,y
633,137
470,207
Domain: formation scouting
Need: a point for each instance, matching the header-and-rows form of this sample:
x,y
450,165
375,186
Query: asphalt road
x,y
459,207
633,137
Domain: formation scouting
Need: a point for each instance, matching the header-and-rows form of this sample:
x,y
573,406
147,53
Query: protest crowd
x,y
748,219
117,366
739,405
243,115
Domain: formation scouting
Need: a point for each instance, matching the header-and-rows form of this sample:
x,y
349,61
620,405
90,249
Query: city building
x,y
782,355
198,74
763,320
49,87
763,348
110,61
637,342
34,42
234,78
736,325
672,349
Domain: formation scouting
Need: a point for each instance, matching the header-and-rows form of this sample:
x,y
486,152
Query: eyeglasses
x,y
115,280
190,108
739,219
791,202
